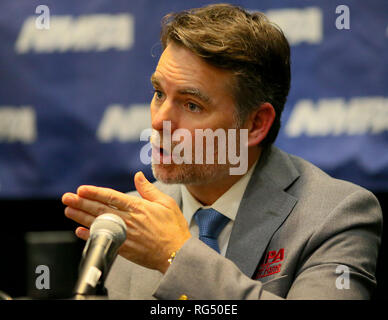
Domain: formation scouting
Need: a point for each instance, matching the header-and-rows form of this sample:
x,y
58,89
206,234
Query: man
x,y
290,231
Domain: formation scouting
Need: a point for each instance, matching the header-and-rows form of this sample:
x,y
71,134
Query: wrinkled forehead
x,y
183,67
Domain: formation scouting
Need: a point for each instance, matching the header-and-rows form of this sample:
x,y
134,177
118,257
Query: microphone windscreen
x,y
110,223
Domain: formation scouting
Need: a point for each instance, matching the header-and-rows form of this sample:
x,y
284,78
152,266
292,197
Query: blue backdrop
x,y
74,98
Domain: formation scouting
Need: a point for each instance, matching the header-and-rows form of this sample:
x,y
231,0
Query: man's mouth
x,y
158,153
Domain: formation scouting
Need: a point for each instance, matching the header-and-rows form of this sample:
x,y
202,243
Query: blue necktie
x,y
210,223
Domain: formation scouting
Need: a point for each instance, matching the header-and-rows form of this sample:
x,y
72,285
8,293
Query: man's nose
x,y
164,112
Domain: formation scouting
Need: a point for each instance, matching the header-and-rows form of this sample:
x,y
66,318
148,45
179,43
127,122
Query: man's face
x,y
190,94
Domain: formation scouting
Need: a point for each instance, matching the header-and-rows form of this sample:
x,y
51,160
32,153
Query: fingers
x,y
148,191
79,216
82,233
89,206
109,197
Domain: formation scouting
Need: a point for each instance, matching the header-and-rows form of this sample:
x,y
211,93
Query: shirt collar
x,y
227,204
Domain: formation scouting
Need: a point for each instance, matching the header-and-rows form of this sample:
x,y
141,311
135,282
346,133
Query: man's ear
x,y
259,123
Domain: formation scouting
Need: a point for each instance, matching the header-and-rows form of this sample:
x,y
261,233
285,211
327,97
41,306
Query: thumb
x,y
148,191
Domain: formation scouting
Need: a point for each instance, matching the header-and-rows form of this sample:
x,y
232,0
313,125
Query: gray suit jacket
x,y
298,234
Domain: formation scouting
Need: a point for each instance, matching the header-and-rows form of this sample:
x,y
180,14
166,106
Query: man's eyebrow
x,y
155,82
185,91
196,93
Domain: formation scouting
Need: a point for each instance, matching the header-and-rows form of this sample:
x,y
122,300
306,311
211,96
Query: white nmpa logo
x,y
98,32
337,117
124,124
17,124
299,25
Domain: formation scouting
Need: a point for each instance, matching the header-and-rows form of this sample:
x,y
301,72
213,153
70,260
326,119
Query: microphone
x,y
107,234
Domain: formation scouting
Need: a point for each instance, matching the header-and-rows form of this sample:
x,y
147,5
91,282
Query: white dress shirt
x,y
227,204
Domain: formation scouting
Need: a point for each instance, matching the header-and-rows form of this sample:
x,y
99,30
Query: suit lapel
x,y
264,207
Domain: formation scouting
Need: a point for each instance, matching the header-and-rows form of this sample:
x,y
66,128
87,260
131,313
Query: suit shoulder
x,y
328,206
319,194
314,179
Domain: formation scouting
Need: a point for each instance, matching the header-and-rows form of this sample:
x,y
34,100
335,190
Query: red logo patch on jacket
x,y
271,265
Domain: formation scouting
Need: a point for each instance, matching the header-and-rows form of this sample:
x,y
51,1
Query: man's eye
x,y
158,94
192,107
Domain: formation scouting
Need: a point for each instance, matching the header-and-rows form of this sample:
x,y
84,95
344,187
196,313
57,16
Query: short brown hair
x,y
248,44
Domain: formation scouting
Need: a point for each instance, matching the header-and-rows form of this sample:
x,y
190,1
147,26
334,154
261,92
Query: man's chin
x,y
169,174
187,174
163,173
